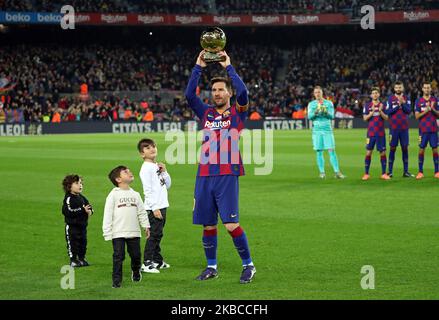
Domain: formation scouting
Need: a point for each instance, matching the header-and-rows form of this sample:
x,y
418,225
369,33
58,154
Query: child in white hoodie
x,y
123,213
156,181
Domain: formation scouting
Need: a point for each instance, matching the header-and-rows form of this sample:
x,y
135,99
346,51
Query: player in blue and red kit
x,y
373,113
398,109
216,186
426,111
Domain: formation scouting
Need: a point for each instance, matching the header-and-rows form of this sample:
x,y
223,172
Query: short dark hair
x,y
69,180
426,82
375,89
115,173
397,83
144,143
222,79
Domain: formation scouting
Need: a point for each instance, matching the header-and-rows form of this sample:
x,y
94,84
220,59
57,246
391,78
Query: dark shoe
x,y
83,263
408,175
209,273
136,276
247,274
75,263
116,285
390,175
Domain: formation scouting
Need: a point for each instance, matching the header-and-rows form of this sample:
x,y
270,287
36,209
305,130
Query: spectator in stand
x,y
255,116
2,113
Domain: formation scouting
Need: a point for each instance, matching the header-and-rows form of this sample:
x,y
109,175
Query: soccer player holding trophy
x,y
216,185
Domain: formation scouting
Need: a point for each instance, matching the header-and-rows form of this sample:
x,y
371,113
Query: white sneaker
x,y
149,268
163,265
322,175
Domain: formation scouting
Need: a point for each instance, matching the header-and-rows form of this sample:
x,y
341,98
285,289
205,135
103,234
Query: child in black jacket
x,y
76,210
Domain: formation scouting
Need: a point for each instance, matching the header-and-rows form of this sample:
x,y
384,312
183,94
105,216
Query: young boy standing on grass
x,y
156,181
123,213
76,210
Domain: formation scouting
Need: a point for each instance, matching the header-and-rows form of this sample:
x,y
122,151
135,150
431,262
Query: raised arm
x,y
193,100
238,84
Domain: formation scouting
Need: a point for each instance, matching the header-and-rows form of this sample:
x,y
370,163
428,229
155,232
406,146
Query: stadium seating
x,y
47,77
215,6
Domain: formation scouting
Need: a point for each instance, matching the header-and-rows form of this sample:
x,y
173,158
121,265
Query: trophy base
x,y
210,57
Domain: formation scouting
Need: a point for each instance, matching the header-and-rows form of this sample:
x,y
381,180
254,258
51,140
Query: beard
x,y
220,105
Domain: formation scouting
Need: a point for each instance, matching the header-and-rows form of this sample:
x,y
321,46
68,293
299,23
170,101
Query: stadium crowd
x,y
37,79
216,6
43,83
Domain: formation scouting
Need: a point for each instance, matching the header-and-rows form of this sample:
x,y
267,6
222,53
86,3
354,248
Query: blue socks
x,y
405,158
421,162
241,245
383,160
436,161
383,164
391,159
210,244
367,164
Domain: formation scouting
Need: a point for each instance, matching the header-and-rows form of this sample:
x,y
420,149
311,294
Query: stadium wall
x,y
20,129
130,19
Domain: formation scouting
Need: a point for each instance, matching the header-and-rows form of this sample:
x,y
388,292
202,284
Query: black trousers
x,y
133,247
76,238
152,246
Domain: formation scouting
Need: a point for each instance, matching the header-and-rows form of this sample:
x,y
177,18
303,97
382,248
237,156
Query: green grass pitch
x,y
309,238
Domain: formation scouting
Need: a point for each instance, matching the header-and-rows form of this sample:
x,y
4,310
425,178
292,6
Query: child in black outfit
x,y
76,210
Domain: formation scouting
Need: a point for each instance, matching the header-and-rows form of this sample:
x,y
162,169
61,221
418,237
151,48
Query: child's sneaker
x,y
75,263
136,276
436,175
419,176
83,263
385,177
365,177
116,285
149,267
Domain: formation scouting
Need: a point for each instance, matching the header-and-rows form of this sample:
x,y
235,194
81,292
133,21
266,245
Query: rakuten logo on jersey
x,y
217,125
